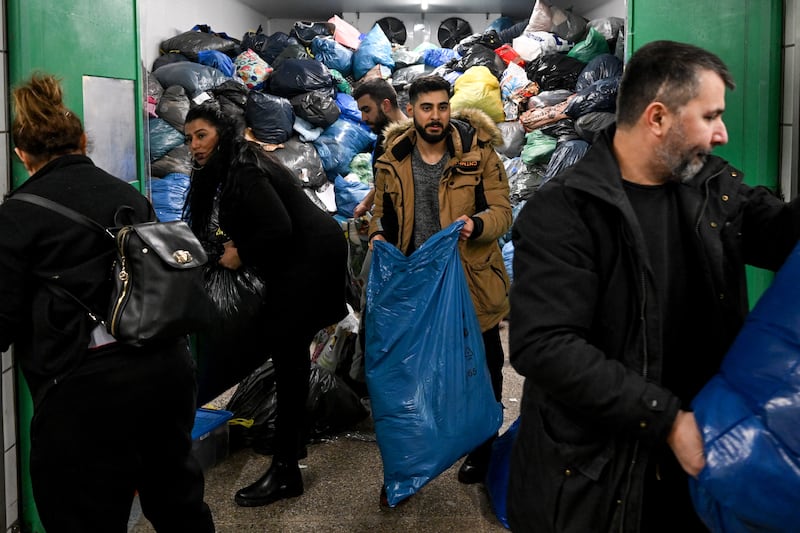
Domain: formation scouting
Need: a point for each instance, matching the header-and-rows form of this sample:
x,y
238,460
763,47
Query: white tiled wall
x,y
790,116
9,507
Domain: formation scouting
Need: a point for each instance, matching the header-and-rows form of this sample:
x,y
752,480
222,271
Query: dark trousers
x,y
495,359
291,358
121,423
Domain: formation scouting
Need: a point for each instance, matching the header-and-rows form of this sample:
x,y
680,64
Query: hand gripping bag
x,y
749,416
432,399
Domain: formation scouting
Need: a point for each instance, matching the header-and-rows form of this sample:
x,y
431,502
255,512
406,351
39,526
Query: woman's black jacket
x,y
51,332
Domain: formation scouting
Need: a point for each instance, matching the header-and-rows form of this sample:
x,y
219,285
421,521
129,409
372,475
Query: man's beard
x,y
381,123
432,139
682,163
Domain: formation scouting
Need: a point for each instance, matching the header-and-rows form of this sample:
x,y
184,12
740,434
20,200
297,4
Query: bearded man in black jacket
x,y
629,288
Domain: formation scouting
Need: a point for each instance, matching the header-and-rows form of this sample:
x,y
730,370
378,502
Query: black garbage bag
x,y
590,124
293,50
548,98
305,31
302,158
554,71
297,76
166,59
489,38
232,98
254,408
231,91
563,130
568,25
332,405
275,45
479,55
237,295
525,181
173,106
193,77
565,155
255,41
599,96
317,107
270,117
601,67
191,42
402,77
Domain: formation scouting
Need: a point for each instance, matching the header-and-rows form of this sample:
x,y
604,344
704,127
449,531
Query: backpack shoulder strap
x,y
75,216
63,210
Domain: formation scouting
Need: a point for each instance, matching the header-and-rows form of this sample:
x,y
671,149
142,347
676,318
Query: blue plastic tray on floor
x,y
206,420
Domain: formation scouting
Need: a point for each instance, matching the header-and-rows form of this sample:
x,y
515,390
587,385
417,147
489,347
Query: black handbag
x,y
157,281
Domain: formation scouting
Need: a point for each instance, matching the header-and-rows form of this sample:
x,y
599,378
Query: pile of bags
x,y
549,82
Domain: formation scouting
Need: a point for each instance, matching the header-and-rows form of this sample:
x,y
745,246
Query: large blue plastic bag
x,y
169,195
339,143
375,49
432,399
749,416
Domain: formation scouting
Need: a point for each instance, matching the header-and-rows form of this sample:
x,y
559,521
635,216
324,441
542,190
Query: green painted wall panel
x,y
73,38
746,34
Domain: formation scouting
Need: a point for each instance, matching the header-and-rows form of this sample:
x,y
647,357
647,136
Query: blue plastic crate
x,y
210,436
206,420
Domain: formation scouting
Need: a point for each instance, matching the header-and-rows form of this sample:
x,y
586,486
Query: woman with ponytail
x,y
110,419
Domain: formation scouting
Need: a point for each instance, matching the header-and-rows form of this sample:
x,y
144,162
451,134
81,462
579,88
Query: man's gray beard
x,y
687,170
684,169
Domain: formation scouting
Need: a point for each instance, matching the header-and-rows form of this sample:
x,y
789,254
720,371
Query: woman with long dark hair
x,y
251,208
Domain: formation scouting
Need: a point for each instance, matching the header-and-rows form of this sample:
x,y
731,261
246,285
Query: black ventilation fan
x,y
394,29
452,30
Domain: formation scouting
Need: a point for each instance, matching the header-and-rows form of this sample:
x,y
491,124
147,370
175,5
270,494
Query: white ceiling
x,y
323,9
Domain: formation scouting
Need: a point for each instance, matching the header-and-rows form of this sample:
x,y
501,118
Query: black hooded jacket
x,y
586,331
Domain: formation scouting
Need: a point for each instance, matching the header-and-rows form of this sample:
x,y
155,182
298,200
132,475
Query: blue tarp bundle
x,y
431,394
749,415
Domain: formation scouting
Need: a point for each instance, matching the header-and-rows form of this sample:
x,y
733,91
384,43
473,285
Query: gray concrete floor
x,y
342,479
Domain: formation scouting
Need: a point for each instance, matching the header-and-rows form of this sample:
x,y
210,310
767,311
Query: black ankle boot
x,y
476,465
282,480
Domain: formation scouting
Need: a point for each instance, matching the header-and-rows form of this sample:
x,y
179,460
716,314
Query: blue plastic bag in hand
x,y
749,416
432,398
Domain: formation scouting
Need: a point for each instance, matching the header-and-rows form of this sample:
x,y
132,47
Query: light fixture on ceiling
x,y
424,5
